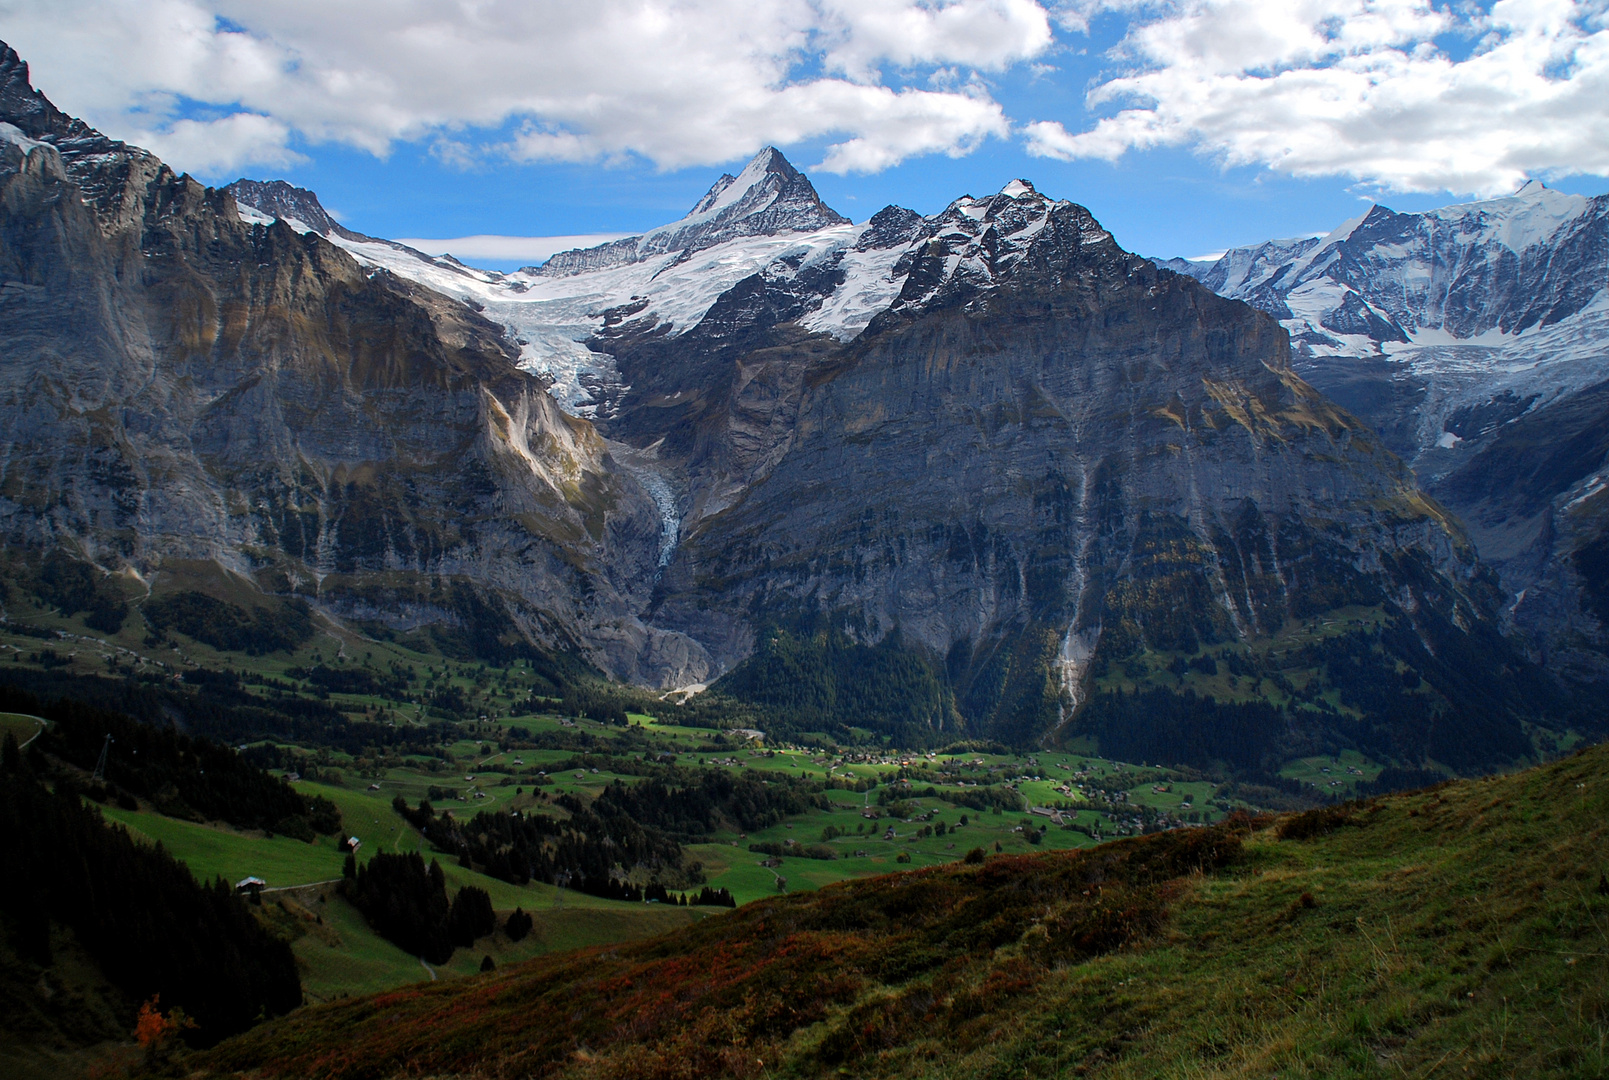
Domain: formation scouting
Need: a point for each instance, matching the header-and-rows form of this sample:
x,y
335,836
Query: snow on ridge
x,y
870,287
13,134
552,317
1499,298
1405,273
728,191
767,198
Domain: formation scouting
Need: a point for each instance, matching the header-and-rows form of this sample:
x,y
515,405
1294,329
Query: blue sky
x,y
1187,126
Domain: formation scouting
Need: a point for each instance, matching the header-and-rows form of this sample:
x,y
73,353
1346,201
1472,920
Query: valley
x,y
767,644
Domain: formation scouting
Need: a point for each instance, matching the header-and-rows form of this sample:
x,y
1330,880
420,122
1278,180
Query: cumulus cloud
x,y
987,35
1359,88
679,82
223,144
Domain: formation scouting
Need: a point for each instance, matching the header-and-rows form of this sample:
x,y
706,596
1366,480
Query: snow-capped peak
x,y
768,198
277,199
1499,296
767,222
730,189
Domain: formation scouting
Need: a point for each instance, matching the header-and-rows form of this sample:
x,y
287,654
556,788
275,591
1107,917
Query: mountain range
x,y
981,472
1475,340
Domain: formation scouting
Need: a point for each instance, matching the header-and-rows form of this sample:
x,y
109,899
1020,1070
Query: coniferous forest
x,y
139,913
406,903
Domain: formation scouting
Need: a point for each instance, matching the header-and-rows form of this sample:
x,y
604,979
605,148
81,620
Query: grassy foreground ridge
x,y
1459,931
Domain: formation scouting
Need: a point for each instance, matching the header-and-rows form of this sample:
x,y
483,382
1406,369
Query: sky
x,y
1186,126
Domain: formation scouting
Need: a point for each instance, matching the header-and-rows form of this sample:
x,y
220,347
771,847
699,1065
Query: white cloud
x,y
222,145
985,34
1356,88
680,82
531,249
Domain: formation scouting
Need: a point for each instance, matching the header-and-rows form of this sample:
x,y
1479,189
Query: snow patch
x,y
13,134
869,287
1594,486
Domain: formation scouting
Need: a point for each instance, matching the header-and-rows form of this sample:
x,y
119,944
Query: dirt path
x,y
36,734
309,885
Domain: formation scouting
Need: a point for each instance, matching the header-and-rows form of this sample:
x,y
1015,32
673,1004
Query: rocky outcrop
x,y
277,199
182,385
1475,340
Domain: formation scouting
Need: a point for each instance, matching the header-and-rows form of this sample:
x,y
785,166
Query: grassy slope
x,y
19,726
339,954
342,957
1456,932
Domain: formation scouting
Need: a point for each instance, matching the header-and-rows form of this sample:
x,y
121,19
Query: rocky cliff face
x,y
972,472
1044,469
179,384
1475,339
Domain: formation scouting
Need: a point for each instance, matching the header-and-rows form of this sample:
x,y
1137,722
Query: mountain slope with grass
x,y
1457,931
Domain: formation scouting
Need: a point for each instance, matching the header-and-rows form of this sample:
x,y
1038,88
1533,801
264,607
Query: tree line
x,y
628,826
587,851
182,775
215,705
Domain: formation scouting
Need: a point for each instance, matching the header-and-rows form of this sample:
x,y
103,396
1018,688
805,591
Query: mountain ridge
x,y
247,394
1475,339
767,197
986,463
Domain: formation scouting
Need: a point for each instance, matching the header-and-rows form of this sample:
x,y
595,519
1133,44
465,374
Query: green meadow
x,y
906,818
